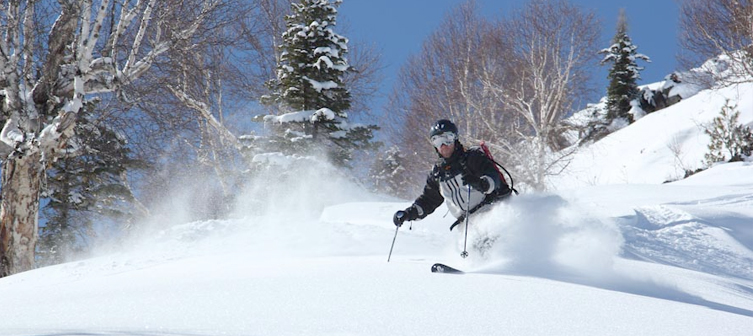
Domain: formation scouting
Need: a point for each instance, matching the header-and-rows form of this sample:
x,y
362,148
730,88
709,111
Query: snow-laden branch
x,y
53,137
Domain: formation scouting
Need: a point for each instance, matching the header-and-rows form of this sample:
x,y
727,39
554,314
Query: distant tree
x,y
730,140
310,87
446,80
312,62
509,83
388,174
623,74
554,43
718,27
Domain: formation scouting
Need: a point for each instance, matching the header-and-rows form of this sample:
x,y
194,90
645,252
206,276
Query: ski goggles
x,y
446,138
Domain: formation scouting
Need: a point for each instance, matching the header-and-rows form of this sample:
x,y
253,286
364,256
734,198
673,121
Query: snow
x,y
319,86
562,265
660,146
279,159
611,251
11,134
298,116
323,114
617,260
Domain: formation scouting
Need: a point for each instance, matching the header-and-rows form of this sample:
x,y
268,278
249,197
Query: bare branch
x,y
718,27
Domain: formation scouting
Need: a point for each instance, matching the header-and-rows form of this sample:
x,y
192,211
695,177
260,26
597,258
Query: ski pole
x,y
467,214
393,243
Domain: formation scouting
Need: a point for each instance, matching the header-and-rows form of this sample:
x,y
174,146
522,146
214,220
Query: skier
x,y
467,179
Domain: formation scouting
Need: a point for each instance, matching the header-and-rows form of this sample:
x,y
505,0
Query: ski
x,y
442,268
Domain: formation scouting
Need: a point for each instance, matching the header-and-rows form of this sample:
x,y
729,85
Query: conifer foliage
x,y
624,73
82,188
730,140
309,89
389,175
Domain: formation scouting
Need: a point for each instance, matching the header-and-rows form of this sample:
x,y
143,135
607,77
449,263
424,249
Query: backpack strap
x,y
498,166
488,154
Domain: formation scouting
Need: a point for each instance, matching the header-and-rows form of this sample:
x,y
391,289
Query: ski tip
x,y
442,268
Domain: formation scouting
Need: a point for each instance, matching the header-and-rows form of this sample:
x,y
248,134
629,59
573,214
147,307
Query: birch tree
x,y
553,43
48,73
509,83
445,81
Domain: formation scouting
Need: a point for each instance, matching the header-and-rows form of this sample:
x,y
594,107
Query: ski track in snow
x,y
675,237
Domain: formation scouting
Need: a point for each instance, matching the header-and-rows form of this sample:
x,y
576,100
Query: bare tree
x,y
553,44
202,85
444,81
509,83
718,27
93,48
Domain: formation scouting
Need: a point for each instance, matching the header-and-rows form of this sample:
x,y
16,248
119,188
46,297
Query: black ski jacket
x,y
445,183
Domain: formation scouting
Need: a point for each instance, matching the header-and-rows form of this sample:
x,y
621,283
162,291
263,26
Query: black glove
x,y
409,214
476,182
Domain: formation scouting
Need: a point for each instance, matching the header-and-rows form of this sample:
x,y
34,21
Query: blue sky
x,y
399,27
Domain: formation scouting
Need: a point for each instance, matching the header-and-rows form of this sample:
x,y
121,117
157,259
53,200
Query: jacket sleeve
x,y
478,164
430,199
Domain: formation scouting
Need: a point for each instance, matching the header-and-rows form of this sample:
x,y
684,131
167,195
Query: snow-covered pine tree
x,y
623,74
388,174
730,140
309,89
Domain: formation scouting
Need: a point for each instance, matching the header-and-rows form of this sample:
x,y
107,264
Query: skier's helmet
x,y
443,126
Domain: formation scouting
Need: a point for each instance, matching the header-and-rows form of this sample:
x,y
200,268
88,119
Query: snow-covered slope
x,y
613,260
658,147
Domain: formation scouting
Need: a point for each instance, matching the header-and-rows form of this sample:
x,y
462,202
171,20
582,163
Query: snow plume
x,y
278,210
296,186
544,235
275,213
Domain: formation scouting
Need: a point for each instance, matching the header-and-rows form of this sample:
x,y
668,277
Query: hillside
x,y
660,146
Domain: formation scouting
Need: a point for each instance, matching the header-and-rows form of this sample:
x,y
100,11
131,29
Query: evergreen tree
x,y
83,188
310,87
730,140
623,74
389,175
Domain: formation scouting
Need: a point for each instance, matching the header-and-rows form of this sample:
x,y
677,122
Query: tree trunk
x,y
21,177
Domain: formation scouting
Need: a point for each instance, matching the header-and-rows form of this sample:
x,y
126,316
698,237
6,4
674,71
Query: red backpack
x,y
497,166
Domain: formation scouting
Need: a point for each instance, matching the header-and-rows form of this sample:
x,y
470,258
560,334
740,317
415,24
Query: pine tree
x,y
82,187
310,87
730,140
389,175
623,74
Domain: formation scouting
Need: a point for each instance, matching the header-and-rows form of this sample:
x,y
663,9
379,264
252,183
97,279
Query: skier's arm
x,y
430,199
478,167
